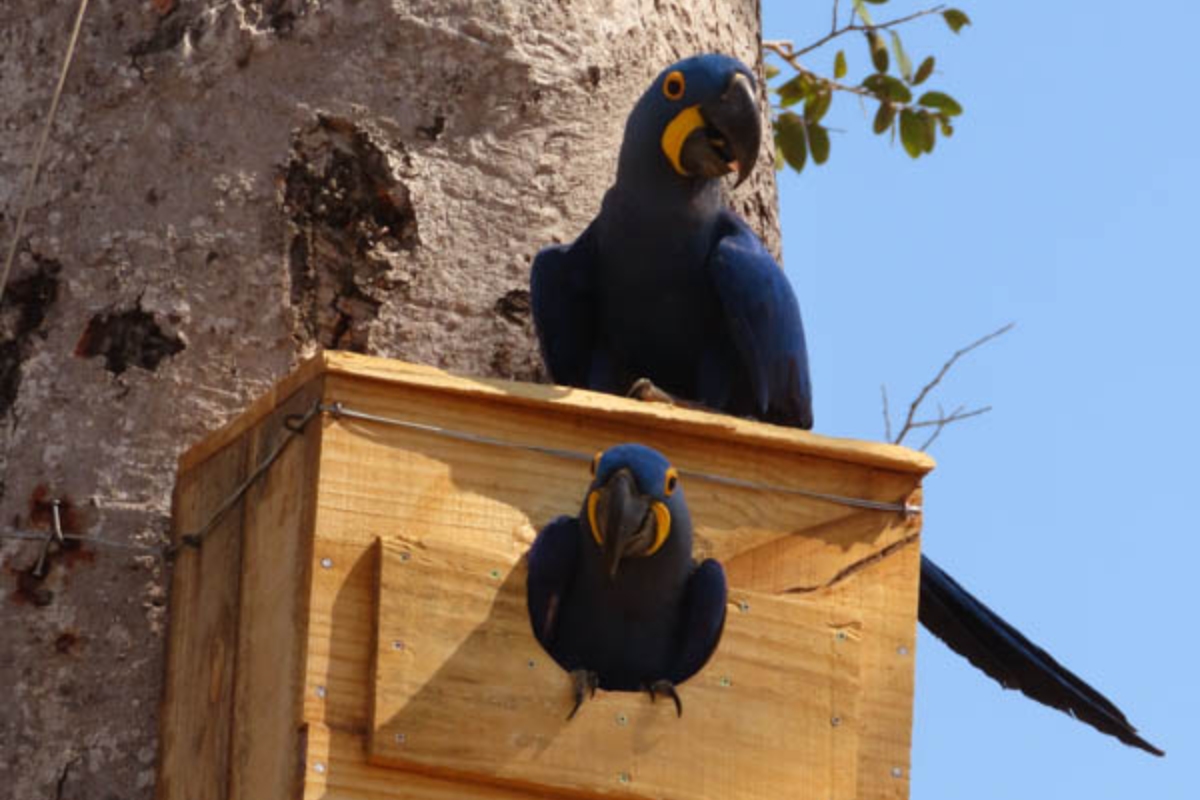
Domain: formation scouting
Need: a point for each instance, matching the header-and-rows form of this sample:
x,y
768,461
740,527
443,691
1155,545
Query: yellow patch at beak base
x,y
662,526
594,498
677,131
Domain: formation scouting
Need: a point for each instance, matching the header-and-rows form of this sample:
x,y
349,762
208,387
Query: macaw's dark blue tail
x,y
975,632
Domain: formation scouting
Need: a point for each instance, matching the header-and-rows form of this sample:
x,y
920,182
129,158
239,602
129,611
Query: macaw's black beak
x,y
625,519
731,135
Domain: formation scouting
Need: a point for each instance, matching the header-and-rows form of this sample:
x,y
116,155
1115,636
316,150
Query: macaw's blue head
x,y
635,507
698,119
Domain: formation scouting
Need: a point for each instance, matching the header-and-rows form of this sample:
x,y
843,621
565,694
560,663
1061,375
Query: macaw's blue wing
x,y
562,296
703,619
764,322
974,631
551,566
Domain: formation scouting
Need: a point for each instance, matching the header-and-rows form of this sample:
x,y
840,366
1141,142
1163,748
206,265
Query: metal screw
x,y
897,772
405,556
321,692
531,663
743,606
327,562
496,574
835,721
902,650
397,645
401,738
726,681
624,777
622,719
841,636
319,768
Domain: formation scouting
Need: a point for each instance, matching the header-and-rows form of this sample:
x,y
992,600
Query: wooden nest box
x,y
355,626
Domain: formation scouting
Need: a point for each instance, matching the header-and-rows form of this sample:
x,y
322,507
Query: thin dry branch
x,y
911,423
850,27
887,416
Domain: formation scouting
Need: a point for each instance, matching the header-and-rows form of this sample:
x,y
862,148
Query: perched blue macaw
x,y
614,594
668,285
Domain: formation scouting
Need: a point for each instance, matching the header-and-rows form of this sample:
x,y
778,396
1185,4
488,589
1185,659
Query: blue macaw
x,y
614,595
668,285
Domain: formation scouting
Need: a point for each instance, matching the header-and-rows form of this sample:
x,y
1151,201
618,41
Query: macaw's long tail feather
x,y
975,632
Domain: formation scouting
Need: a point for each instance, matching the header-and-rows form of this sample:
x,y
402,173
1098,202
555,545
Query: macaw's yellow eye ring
x,y
673,85
596,461
671,482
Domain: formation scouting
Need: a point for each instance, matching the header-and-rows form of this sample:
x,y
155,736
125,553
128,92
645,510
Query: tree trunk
x,y
230,185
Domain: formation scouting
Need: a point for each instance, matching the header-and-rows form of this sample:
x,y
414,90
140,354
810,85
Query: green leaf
x,y
929,122
884,117
879,51
794,90
818,143
839,65
861,9
942,102
923,71
877,2
903,63
885,87
912,133
817,104
771,70
956,19
789,135
779,162
947,128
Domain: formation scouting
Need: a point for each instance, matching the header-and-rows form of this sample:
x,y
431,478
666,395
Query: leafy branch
x,y
911,423
801,135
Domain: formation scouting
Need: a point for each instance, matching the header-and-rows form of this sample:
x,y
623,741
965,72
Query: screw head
x,y
726,680
496,574
531,663
319,768
902,650
405,556
327,562
840,636
401,738
397,645
743,606
321,692
623,777
897,772
622,719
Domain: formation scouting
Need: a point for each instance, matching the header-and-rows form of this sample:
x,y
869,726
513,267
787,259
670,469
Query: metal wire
x,y
295,425
337,410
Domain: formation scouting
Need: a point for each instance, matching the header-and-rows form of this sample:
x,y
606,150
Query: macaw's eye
x,y
671,482
596,462
674,85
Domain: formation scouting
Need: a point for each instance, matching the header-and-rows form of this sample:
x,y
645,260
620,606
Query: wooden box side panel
x,y
268,741
196,716
462,687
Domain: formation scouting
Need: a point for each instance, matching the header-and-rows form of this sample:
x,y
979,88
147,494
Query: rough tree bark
x,y
229,185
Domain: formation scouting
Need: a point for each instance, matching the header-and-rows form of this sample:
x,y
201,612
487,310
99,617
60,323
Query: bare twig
x,y
910,421
853,26
833,27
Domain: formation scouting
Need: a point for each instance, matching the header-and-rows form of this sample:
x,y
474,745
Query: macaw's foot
x,y
585,682
665,687
644,389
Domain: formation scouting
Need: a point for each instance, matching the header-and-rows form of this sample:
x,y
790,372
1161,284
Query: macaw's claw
x,y
585,683
644,389
667,688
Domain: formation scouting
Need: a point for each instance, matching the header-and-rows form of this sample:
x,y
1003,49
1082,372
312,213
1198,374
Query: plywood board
x,y
462,688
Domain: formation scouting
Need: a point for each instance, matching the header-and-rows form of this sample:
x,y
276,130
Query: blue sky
x,y
1065,202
